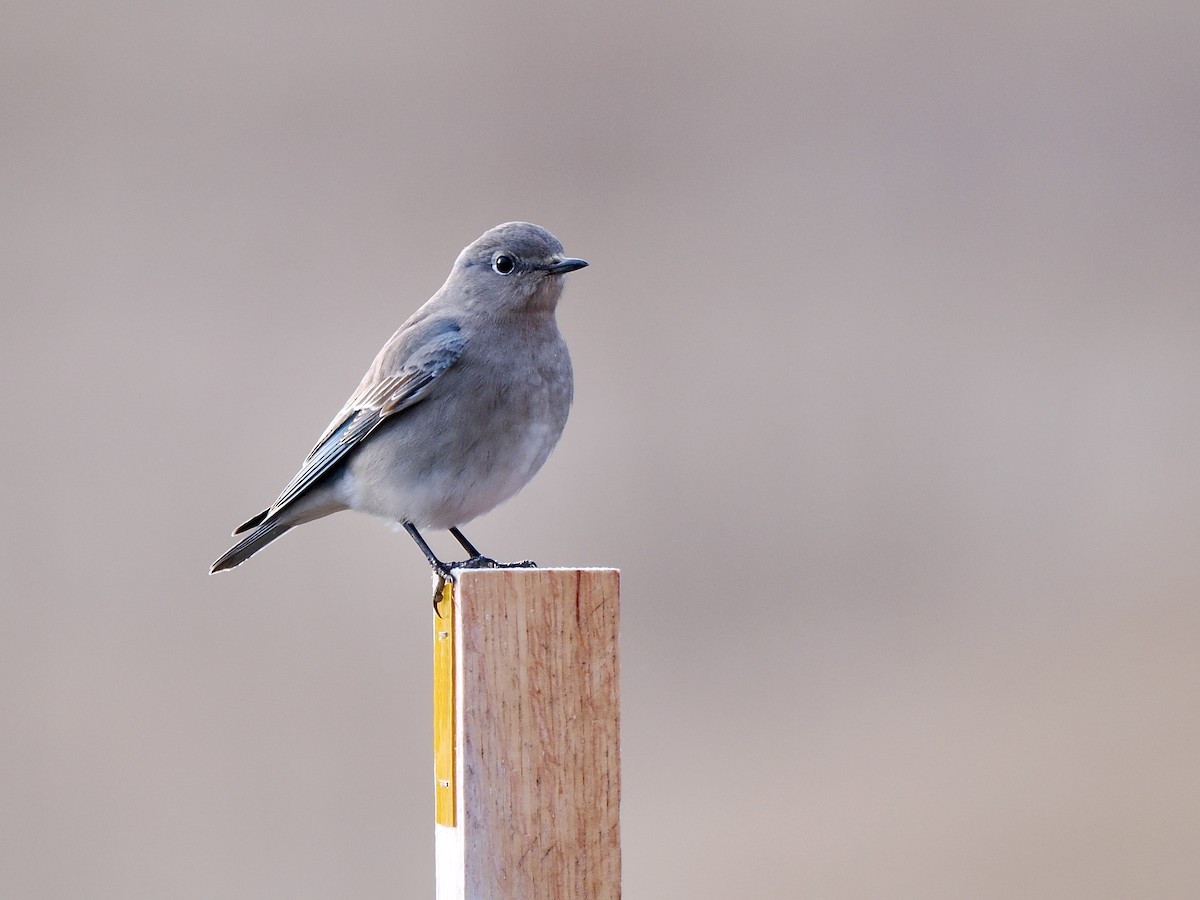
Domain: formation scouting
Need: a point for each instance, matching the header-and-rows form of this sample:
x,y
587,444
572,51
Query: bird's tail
x,y
251,544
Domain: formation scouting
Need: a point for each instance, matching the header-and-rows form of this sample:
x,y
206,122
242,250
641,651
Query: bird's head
x,y
514,267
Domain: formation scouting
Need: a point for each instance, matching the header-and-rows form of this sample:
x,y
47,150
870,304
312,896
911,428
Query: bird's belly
x,y
458,472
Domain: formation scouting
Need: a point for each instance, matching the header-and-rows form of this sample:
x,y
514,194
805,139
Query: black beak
x,y
565,265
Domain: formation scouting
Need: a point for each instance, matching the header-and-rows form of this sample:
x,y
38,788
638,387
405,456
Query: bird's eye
x,y
503,264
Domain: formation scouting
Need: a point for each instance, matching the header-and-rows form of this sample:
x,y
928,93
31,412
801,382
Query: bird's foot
x,y
485,562
445,571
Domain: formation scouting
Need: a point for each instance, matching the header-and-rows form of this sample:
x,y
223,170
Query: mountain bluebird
x,y
458,411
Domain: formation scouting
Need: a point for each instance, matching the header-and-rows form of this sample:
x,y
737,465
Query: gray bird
x,y
458,411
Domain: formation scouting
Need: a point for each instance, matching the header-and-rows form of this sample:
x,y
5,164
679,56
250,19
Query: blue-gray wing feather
x,y
403,374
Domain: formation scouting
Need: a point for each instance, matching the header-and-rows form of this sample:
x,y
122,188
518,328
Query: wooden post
x,y
527,735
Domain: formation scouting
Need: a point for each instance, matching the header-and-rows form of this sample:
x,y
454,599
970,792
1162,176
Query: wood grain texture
x,y
540,733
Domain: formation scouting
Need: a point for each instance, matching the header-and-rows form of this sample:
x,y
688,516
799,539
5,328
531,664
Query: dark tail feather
x,y
252,522
251,544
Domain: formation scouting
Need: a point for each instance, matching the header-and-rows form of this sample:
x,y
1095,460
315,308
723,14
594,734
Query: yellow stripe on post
x,y
443,706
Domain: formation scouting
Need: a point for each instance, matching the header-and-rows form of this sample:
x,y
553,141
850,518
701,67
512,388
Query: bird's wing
x,y
403,374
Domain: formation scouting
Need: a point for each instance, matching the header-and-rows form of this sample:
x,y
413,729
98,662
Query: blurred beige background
x,y
887,406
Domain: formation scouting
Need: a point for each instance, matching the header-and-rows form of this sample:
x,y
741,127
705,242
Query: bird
x,y
458,411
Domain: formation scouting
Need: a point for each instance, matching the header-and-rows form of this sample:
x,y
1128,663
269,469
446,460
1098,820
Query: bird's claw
x,y
439,589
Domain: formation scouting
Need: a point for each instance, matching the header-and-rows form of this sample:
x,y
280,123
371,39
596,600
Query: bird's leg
x,y
479,561
444,572
438,566
462,539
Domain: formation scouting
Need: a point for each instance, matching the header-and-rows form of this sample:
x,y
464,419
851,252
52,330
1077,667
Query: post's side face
x,y
539,686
